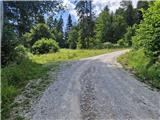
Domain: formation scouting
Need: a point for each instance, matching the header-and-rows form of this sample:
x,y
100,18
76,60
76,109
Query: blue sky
x,y
98,7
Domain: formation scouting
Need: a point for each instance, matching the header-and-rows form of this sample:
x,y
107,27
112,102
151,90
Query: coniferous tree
x,y
141,5
51,22
103,24
60,25
86,24
58,32
69,23
129,12
68,29
130,15
110,27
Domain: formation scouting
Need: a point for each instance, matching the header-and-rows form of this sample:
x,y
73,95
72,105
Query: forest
x,y
30,40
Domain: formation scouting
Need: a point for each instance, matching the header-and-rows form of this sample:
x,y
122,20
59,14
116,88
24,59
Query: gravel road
x,y
97,88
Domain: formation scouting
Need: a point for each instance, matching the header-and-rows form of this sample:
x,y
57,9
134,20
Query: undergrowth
x,y
142,66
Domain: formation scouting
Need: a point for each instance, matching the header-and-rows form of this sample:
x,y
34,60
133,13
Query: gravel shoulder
x,y
97,88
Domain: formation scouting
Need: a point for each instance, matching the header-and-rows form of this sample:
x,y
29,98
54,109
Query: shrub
x,y
121,42
37,32
148,34
45,45
95,43
20,53
116,46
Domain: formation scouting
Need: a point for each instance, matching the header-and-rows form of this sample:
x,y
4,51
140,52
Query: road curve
x,y
97,88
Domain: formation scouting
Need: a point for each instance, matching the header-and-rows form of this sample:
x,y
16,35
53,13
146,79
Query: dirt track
x,y
97,88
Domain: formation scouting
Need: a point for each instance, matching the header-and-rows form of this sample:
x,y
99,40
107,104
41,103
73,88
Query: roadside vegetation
x,y
144,59
138,63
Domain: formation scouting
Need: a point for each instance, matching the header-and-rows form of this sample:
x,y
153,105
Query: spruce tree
x,y
86,24
69,23
141,5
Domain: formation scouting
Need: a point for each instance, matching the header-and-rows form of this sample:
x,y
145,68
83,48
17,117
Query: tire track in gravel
x,y
87,96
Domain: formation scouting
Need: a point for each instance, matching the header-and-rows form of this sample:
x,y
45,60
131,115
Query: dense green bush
x,y
94,43
148,34
36,33
45,45
116,46
8,43
21,53
121,42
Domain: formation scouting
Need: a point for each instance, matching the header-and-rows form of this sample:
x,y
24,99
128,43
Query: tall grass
x,y
15,77
141,64
67,54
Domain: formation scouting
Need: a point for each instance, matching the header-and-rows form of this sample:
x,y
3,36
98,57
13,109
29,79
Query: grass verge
x,y
139,63
67,54
15,77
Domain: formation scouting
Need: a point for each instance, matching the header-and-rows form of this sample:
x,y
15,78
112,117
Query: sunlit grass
x,y
137,61
67,54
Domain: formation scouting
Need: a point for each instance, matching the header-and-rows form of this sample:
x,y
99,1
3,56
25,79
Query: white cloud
x,y
98,6
70,8
112,4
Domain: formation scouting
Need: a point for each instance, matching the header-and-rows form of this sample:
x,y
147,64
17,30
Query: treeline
x,y
26,28
107,28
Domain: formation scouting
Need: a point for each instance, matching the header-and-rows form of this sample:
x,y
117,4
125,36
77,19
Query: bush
x,y
45,45
94,43
121,42
37,32
148,34
21,53
116,46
